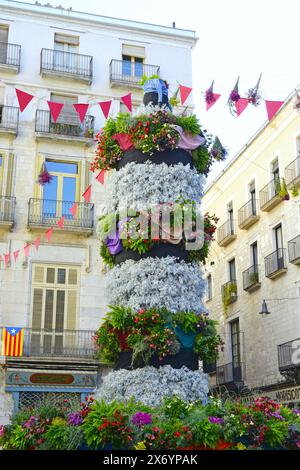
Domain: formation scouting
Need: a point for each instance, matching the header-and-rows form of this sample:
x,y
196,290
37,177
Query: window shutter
x,y
66,39
37,191
72,310
37,308
10,172
133,51
68,114
3,33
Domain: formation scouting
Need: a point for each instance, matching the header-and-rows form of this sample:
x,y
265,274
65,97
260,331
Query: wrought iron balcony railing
x,y
67,125
275,263
226,233
10,55
269,195
68,64
292,173
130,73
45,212
248,214
251,278
9,118
229,373
54,343
294,250
287,354
7,210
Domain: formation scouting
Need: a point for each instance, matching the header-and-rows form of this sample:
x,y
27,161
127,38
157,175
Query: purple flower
x,y
215,420
140,419
75,419
2,430
296,411
277,415
234,95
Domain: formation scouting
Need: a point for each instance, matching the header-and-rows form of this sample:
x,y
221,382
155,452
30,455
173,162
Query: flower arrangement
x,y
253,94
44,176
234,96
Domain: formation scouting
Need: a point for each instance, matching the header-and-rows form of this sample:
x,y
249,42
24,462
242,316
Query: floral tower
x,y
157,331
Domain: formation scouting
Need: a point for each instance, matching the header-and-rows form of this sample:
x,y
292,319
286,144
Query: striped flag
x,y
12,341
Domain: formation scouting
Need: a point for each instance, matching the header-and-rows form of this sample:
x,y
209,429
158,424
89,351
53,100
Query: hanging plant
x,y
174,101
209,94
218,152
295,191
283,192
233,98
253,94
44,176
228,295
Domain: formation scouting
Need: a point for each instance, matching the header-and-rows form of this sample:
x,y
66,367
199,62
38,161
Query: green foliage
x,y
106,226
106,256
276,432
206,433
139,244
145,78
119,317
228,294
187,321
122,123
61,436
189,124
107,342
207,347
175,407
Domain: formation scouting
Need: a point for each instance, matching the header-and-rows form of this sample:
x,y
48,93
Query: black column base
x,y
183,358
169,157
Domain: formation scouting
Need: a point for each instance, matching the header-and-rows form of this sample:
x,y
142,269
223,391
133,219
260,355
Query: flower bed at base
x,y
175,425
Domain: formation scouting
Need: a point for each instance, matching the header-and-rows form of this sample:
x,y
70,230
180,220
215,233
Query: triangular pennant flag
x,y
184,93
48,234
55,109
87,194
100,177
127,101
37,243
27,249
241,105
23,99
16,254
81,109
273,107
215,97
60,223
105,106
7,259
73,210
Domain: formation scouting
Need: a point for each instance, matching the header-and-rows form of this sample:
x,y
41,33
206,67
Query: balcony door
x,y
252,192
3,44
279,259
236,350
65,55
232,270
276,177
60,194
68,122
54,310
230,219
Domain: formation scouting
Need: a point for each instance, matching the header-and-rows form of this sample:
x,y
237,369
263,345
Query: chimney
x,y
174,24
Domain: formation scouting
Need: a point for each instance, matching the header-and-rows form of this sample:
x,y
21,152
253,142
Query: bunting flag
x,y
23,99
7,260
12,341
100,177
184,93
273,107
55,109
210,97
49,233
87,194
127,101
105,107
60,223
37,243
241,105
73,210
27,249
81,109
16,254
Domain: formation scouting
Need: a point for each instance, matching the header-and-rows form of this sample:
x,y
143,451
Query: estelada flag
x,y
12,341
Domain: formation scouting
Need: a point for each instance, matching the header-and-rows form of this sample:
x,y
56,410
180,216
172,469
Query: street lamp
x,y
264,312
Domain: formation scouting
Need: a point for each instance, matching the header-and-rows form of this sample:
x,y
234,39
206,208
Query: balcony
x,y
294,250
67,65
275,263
269,195
292,173
229,292
46,213
230,375
9,120
124,73
251,280
68,128
226,233
247,215
7,211
288,359
10,57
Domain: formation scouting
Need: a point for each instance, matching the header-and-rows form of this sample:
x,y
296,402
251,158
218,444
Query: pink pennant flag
x,y
81,109
27,249
127,101
55,109
60,223
214,99
184,93
273,107
105,106
73,210
37,243
100,177
87,194
16,254
48,234
23,99
7,260
241,105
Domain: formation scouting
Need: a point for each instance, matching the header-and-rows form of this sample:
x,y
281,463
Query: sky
x,y
236,38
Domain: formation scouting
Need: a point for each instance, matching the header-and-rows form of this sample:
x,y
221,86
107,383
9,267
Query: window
x,y
209,287
132,60
1,173
278,237
235,349
230,218
3,44
252,192
254,254
55,292
68,114
232,271
276,175
65,53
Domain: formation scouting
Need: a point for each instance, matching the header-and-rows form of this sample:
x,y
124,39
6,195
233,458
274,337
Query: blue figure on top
x,y
156,92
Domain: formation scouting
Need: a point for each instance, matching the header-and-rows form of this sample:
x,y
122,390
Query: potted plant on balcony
x,y
229,295
253,278
283,192
89,133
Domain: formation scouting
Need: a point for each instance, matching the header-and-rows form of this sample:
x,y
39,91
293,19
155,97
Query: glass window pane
x,y
50,198
61,276
62,167
37,309
72,276
50,275
60,310
126,65
138,67
49,310
1,159
69,190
